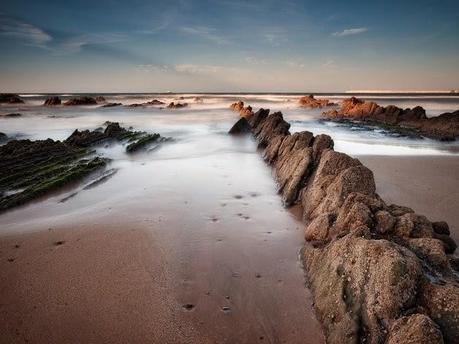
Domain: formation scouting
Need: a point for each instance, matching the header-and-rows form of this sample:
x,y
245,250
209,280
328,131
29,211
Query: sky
x,y
228,46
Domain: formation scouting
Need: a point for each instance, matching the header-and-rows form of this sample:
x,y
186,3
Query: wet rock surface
x,y
173,105
30,169
243,111
409,122
378,273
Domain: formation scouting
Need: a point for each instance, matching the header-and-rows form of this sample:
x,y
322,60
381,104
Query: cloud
x,y
75,44
254,60
205,32
350,32
147,68
294,64
25,32
275,36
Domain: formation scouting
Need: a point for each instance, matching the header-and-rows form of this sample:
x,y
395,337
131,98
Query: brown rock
x,y
272,126
430,250
415,329
361,286
311,102
173,105
440,227
385,222
442,305
10,98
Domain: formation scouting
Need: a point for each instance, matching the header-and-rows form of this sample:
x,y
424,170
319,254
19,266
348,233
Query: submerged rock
x,y
81,101
10,98
51,101
15,114
100,99
111,105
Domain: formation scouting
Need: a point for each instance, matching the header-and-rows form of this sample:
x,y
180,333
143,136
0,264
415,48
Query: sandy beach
x,y
427,184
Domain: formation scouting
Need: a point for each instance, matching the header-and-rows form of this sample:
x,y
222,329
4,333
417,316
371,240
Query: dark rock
x,y
51,101
177,105
311,102
81,101
240,127
12,115
100,99
10,98
440,227
111,105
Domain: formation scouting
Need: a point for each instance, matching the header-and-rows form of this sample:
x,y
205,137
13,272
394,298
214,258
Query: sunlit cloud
x,y
350,32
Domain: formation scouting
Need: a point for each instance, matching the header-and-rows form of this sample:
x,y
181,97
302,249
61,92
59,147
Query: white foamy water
x,y
209,113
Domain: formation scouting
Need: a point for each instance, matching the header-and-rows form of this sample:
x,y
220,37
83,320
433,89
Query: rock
x,y
3,137
385,222
448,243
361,286
414,226
81,101
311,102
198,100
442,305
173,105
156,102
321,142
444,127
12,115
318,229
29,169
111,105
100,99
440,227
272,126
398,210
238,106
431,250
52,101
258,117
241,127
10,98
415,329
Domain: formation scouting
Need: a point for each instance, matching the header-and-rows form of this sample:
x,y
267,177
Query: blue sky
x,y
133,46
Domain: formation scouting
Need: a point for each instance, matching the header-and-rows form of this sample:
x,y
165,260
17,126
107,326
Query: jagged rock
x,y
3,137
156,102
272,126
241,127
243,111
361,286
29,169
238,106
444,127
51,101
442,305
258,117
100,99
415,329
81,101
10,98
173,105
370,264
311,102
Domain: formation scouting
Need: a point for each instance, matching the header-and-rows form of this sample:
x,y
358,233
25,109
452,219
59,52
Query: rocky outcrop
x,y
378,273
241,127
52,101
29,169
100,99
173,105
80,101
149,103
313,103
3,137
243,111
10,98
444,127
12,115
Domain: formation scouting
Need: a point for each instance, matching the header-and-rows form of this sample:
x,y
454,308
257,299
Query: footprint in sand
x,y
238,196
188,307
226,309
59,243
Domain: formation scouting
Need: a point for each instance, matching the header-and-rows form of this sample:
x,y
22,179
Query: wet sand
x,y
427,184
215,238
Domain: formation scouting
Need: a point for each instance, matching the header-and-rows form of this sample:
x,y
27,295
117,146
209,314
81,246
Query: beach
x,y
190,241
